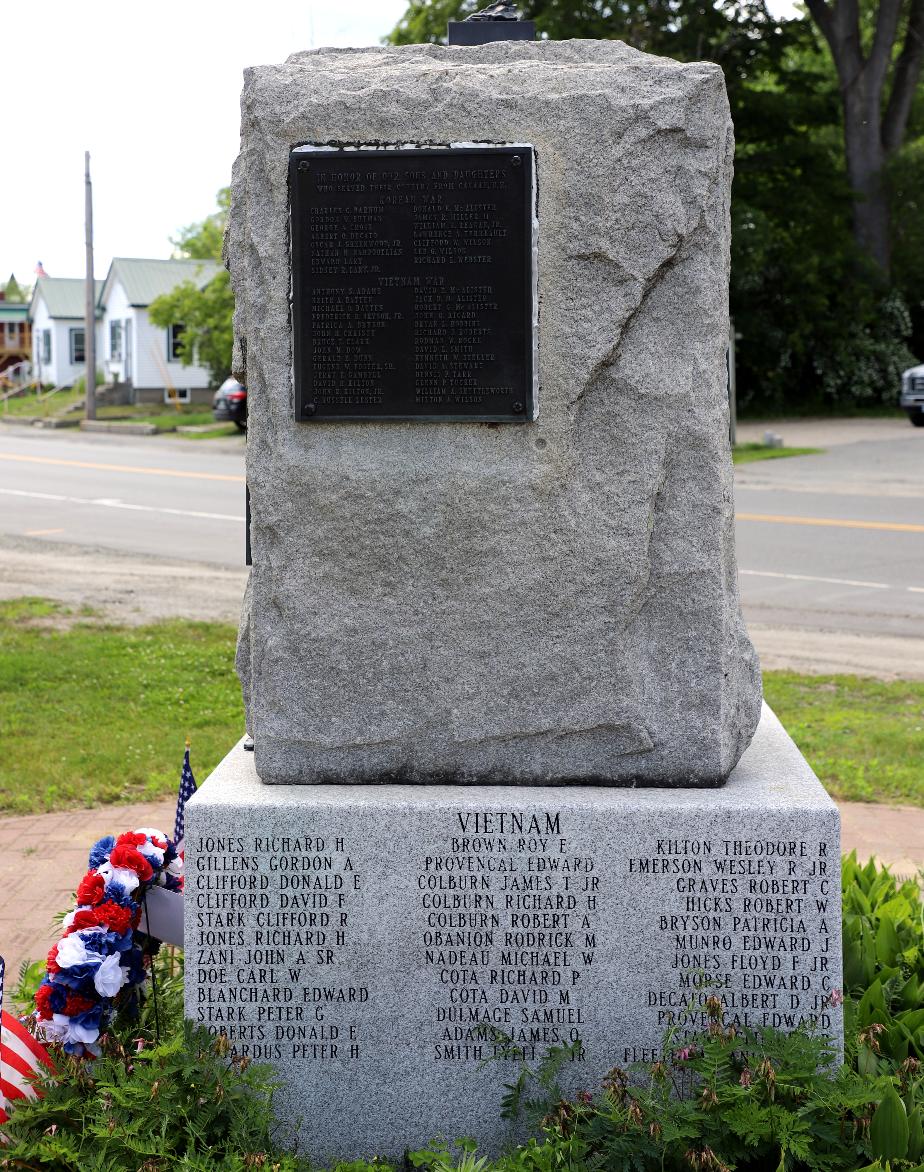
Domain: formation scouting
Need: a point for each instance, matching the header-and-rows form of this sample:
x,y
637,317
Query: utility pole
x,y
89,341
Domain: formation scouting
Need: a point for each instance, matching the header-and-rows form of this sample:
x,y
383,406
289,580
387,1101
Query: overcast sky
x,y
152,91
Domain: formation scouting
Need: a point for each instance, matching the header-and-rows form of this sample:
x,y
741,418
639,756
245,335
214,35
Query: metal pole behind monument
x,y
732,386
89,344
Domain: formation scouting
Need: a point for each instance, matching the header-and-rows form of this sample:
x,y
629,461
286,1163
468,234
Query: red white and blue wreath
x,y
100,964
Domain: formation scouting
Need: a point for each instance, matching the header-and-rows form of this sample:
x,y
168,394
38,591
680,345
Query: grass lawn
x,y
862,737
748,453
40,405
811,410
165,417
92,714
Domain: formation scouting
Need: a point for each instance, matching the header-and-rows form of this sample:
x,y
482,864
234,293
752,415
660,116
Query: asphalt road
x,y
832,543
836,541
173,499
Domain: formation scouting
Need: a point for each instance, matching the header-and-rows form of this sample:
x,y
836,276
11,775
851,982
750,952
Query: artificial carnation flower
x,y
100,852
113,916
154,847
131,838
73,950
116,893
91,889
153,854
161,841
43,995
76,976
126,879
110,976
75,1004
126,857
83,917
72,1034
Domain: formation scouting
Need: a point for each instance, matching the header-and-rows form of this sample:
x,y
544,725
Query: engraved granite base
x,y
359,938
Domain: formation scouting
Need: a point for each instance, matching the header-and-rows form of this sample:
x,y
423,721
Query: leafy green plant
x,y
165,1095
22,995
80,384
883,930
183,1102
718,1100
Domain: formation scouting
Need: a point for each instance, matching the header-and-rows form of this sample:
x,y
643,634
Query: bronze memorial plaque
x,y
412,283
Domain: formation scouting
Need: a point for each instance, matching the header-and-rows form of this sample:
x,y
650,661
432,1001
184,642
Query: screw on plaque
x,y
304,165
310,408
518,407
516,160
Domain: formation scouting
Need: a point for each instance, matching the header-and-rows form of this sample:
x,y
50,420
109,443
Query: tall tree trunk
x,y
866,159
873,129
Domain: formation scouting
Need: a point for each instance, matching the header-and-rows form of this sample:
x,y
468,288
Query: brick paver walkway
x,y
44,856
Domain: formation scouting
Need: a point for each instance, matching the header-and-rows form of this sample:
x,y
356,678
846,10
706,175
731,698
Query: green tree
x,y
14,291
203,240
688,29
206,313
905,185
819,325
878,51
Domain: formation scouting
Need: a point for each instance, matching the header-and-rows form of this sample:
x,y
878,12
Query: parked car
x,y
230,403
912,396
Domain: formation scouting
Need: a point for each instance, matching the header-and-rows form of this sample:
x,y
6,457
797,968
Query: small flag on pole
x,y
40,270
21,1059
187,789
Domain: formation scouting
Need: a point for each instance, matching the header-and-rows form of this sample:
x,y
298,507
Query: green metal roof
x,y
14,311
143,280
63,296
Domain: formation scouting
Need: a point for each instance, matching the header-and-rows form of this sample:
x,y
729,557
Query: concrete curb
x,y
126,428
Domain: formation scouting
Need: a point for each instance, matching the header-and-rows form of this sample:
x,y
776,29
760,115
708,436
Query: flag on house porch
x,y
21,1059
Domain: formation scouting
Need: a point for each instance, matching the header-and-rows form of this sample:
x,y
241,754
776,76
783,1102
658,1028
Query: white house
x,y
144,355
58,335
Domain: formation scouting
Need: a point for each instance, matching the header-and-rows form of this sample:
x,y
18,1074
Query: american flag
x,y
187,789
40,270
21,1058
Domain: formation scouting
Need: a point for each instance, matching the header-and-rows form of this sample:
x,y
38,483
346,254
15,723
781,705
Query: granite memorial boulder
x,y
551,599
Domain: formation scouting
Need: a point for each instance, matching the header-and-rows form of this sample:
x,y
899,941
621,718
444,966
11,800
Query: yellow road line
x,y
41,532
837,523
123,468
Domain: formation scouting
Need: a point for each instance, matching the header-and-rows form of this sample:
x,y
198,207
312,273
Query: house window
x,y
115,339
177,395
45,348
78,346
174,337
